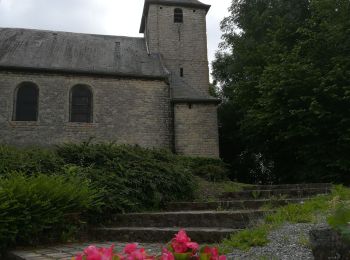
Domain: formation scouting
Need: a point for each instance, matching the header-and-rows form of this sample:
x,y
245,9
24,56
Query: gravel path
x,y
291,242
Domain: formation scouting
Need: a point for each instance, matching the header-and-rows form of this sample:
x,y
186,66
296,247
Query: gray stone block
x,y
327,244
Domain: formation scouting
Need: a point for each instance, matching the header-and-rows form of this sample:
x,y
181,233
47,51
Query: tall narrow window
x,y
178,15
27,102
81,104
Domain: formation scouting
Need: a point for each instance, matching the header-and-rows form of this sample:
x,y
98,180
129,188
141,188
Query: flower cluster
x,y
130,252
94,253
180,248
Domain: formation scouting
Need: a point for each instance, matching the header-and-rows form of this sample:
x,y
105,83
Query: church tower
x,y
176,30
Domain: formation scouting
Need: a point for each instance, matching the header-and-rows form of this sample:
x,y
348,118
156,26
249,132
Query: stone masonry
x,y
200,137
124,110
150,91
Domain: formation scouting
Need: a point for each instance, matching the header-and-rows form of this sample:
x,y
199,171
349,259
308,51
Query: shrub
x,y
340,220
130,178
211,173
123,174
209,169
36,207
29,160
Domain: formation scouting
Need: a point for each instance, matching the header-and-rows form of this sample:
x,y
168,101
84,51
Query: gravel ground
x,y
291,242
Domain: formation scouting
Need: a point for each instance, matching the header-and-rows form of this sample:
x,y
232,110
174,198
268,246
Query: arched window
x,y
27,98
81,104
178,15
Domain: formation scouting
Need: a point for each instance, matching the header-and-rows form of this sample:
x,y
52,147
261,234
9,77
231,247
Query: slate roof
x,y
184,3
183,93
77,53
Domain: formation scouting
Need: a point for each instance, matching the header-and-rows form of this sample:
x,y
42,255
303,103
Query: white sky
x,y
114,17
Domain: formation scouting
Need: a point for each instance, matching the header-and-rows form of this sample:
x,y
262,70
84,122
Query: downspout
x,y
146,37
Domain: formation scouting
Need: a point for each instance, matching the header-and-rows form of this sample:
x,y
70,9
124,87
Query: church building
x,y
58,87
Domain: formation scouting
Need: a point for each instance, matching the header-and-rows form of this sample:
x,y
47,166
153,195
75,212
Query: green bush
x,y
130,178
123,174
46,194
42,207
29,160
210,169
340,220
212,173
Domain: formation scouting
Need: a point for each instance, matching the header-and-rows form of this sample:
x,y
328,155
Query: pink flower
x,y
94,253
182,237
192,245
130,248
181,243
179,247
107,253
79,257
167,255
134,253
214,253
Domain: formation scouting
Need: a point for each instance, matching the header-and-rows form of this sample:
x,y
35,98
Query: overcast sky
x,y
114,17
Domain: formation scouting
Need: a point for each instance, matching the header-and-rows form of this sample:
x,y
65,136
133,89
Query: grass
x,y
211,191
248,238
340,220
324,206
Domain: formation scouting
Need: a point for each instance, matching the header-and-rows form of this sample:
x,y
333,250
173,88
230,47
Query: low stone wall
x,y
327,244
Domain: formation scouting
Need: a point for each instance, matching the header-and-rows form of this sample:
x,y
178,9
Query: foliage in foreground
x,y
284,70
123,174
126,178
309,212
340,218
42,208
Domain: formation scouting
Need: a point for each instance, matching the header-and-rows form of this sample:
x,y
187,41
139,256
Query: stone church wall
x,y
124,110
182,45
200,136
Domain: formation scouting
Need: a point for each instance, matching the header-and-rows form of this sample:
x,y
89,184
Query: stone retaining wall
x,y
327,244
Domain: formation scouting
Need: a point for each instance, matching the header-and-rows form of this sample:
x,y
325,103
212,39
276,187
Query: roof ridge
x,y
68,32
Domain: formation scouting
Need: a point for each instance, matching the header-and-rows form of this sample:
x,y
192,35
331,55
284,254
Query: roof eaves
x,y
82,72
196,100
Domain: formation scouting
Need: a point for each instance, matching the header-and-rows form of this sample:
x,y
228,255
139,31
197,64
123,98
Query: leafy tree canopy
x,y
284,73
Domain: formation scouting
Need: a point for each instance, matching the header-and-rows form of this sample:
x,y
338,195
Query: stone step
x,y
215,219
230,205
156,234
276,193
289,186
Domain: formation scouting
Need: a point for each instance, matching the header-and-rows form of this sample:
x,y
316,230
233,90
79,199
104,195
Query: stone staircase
x,y
207,222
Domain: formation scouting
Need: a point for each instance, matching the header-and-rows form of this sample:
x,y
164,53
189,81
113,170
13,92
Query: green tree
x,y
284,69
